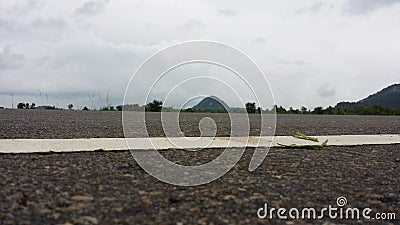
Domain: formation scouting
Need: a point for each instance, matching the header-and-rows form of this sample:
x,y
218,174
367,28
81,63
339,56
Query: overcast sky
x,y
314,53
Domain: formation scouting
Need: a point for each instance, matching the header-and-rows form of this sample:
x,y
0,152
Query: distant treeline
x,y
250,108
156,106
358,110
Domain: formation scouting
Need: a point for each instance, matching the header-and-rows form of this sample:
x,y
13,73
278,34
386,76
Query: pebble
x,y
88,220
81,198
38,192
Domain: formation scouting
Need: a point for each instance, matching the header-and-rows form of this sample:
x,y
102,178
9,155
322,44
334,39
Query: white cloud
x,y
10,59
227,12
192,24
260,40
366,6
326,91
91,7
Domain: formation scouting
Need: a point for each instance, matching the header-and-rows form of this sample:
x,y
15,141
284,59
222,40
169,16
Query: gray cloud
x,y
191,24
326,91
91,7
227,12
10,59
366,6
259,40
23,9
292,62
315,7
10,26
50,23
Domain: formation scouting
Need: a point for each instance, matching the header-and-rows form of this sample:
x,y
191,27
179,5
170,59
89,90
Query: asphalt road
x,y
92,124
111,188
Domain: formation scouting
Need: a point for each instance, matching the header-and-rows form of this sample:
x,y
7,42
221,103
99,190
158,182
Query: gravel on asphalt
x,y
111,188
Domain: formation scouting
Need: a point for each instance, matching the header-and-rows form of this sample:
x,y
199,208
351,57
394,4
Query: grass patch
x,y
310,147
302,136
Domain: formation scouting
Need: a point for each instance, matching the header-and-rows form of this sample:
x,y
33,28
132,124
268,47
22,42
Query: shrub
x,y
251,107
154,106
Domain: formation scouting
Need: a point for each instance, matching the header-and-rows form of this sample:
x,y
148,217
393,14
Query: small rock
x,y
203,220
155,193
256,195
227,197
56,216
74,207
128,175
38,192
44,210
88,219
81,198
147,201
141,192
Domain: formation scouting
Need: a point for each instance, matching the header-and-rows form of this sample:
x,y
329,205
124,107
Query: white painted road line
x,y
162,143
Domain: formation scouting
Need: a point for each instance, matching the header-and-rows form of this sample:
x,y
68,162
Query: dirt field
x,y
110,187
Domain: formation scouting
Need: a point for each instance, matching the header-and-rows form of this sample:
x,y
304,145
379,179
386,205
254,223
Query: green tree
x,y
119,107
85,108
26,105
318,110
259,110
279,110
303,110
293,111
33,105
251,107
70,106
154,106
21,105
329,110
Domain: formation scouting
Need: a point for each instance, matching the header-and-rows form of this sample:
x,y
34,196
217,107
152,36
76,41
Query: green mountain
x,y
388,97
211,103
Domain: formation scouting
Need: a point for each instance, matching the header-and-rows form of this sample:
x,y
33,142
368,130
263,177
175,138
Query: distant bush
x,y
154,106
107,108
23,105
358,110
251,107
50,107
